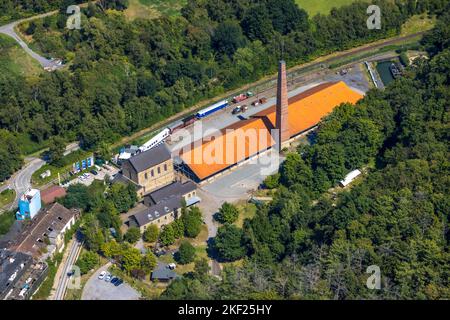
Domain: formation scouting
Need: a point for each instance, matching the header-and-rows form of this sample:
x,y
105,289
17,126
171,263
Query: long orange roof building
x,y
244,139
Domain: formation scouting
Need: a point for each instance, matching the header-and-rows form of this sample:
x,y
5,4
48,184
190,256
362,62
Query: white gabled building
x,y
349,178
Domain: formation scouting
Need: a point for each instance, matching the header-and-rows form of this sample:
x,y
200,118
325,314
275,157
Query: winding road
x,y
21,180
9,30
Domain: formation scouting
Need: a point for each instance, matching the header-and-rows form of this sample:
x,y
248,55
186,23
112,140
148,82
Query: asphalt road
x,y
64,279
21,180
8,30
96,289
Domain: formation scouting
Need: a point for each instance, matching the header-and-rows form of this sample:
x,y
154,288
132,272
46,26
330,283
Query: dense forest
x,y
11,10
123,75
307,244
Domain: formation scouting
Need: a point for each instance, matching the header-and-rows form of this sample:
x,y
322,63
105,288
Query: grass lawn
x,y
15,61
418,23
150,9
68,161
200,251
6,221
246,211
314,7
7,196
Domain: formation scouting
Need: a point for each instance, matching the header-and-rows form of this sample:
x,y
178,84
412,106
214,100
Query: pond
x,y
384,72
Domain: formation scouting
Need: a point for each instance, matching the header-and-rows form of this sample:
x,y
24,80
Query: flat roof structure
x,y
236,143
12,267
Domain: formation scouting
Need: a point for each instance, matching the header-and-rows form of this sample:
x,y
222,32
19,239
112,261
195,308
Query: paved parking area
x,y
235,184
102,172
96,289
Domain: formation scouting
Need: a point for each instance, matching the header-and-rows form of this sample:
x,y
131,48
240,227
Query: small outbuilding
x,y
163,274
349,178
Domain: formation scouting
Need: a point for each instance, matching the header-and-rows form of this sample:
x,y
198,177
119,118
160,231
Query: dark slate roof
x,y
10,263
157,211
150,158
164,273
174,189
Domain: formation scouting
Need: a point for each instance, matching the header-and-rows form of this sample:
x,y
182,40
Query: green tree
x,y
56,150
148,262
229,243
167,237
123,196
186,253
112,249
228,213
178,228
151,233
201,268
132,235
228,37
87,261
131,259
272,181
192,219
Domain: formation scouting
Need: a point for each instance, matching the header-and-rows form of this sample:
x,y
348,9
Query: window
x,y
146,176
165,166
152,173
159,170
59,218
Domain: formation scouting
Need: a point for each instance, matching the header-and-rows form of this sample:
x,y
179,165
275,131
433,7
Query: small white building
x,y
349,178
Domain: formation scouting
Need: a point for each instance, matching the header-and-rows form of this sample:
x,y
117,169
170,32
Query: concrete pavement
x,y
96,289
62,279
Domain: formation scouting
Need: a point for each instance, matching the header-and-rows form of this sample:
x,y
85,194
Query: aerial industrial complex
x,y
248,138
164,184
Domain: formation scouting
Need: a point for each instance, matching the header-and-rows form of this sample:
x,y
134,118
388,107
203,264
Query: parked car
x,y
171,266
236,110
94,172
86,175
244,108
70,273
118,282
114,280
108,277
102,275
160,253
255,103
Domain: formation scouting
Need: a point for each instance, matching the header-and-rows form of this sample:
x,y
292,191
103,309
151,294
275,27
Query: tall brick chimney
x,y
282,106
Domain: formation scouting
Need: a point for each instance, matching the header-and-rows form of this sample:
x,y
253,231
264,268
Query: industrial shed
x,y
232,146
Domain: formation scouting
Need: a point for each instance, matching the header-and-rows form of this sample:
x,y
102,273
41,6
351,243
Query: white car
x,y
171,266
102,275
108,277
